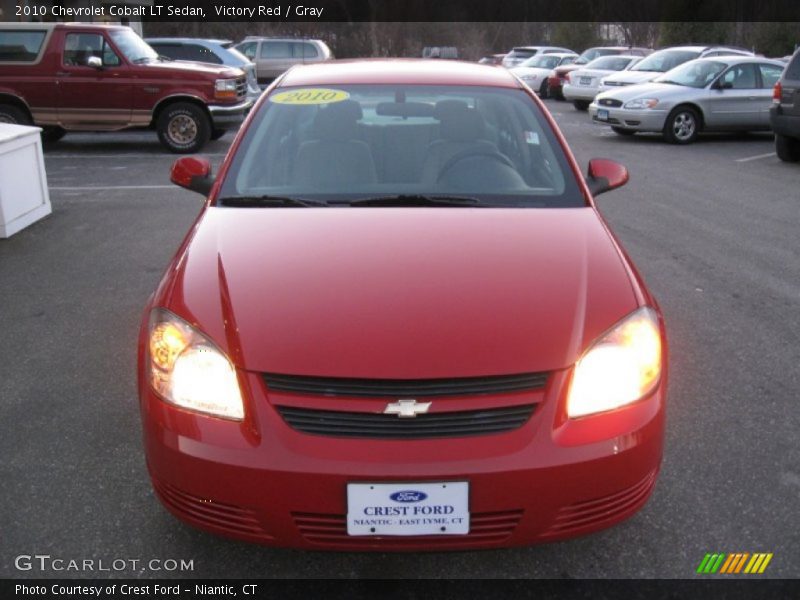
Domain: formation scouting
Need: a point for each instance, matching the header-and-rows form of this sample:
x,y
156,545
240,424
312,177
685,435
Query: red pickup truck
x,y
88,77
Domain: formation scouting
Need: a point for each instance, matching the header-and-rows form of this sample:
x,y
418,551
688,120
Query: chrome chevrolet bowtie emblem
x,y
406,408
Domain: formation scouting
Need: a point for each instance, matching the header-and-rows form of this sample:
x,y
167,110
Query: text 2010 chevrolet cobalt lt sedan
x,y
399,322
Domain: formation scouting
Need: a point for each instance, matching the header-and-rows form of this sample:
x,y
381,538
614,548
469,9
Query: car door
x,y
733,99
93,98
275,57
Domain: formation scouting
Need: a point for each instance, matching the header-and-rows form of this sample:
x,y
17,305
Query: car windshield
x,y
470,145
663,61
592,53
132,46
610,63
696,74
543,61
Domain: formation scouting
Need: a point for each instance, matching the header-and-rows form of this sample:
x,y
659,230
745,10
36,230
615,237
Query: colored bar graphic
x,y
734,563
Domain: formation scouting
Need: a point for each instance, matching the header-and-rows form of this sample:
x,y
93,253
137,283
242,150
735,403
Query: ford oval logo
x,y
408,496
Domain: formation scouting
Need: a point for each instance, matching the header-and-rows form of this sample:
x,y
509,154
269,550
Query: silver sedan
x,y
723,93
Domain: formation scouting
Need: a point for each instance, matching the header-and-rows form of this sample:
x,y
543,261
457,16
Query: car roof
x,y
266,38
186,40
410,71
738,60
537,47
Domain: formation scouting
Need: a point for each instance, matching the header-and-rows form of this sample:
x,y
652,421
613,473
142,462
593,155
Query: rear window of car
x,y
350,142
304,50
610,63
663,61
793,69
521,53
20,46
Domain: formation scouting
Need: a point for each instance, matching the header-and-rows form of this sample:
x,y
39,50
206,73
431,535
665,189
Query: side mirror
x,y
193,174
722,85
95,62
605,175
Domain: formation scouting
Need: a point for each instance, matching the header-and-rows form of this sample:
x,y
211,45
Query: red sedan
x,y
400,323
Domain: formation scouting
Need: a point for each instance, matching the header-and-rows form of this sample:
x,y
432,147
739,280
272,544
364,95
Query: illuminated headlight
x,y
225,88
641,103
621,367
188,370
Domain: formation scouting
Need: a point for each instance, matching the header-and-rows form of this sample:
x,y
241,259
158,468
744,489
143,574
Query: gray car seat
x,y
335,156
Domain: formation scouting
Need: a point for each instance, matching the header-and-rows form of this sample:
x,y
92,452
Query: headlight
x,y
225,88
620,368
641,103
188,370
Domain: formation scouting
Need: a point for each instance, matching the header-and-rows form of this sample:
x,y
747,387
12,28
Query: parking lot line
x,y
758,157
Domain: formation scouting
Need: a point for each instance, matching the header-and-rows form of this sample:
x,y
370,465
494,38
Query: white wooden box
x,y
24,198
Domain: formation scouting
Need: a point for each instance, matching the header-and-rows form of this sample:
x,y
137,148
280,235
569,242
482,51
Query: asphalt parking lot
x,y
713,228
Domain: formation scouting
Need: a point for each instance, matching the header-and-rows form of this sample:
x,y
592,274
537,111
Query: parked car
x,y
492,59
301,340
273,56
519,54
664,60
559,76
724,93
217,52
536,71
89,77
583,84
784,115
448,52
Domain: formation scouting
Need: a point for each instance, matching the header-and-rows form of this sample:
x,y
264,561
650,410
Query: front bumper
x,y
262,481
634,120
226,116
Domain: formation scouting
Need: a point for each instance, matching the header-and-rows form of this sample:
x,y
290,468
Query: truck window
x,y
304,50
276,50
78,47
20,46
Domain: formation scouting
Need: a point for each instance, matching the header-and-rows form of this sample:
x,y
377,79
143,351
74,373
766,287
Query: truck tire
x,y
787,149
581,104
183,128
50,135
13,115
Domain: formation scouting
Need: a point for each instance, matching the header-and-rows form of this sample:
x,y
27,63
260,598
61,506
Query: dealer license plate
x,y
585,81
408,508
602,114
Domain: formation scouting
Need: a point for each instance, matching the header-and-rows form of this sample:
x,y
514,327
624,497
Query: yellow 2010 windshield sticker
x,y
310,96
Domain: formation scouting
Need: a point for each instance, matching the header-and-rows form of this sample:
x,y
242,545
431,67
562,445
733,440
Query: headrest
x,y
459,123
337,121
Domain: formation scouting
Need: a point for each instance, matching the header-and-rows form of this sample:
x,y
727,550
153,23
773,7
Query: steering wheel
x,y
471,153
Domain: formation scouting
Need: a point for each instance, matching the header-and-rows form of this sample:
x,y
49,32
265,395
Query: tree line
x,y
476,39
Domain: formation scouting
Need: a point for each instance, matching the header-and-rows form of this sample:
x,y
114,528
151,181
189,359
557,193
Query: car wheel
x,y
183,128
682,126
580,104
621,131
217,133
787,149
544,90
50,135
14,116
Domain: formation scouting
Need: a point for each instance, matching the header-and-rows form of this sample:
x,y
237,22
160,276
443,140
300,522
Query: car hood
x,y
400,292
187,68
631,77
662,91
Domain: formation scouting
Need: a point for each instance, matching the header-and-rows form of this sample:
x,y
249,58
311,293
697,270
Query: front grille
x,y
241,87
431,425
332,530
610,102
398,388
602,511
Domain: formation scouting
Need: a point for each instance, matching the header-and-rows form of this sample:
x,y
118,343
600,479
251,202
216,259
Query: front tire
x,y
682,126
787,149
183,128
580,104
50,135
622,131
13,115
544,90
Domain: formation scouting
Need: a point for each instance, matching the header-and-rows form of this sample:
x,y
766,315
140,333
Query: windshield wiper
x,y
163,58
267,201
141,59
418,200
